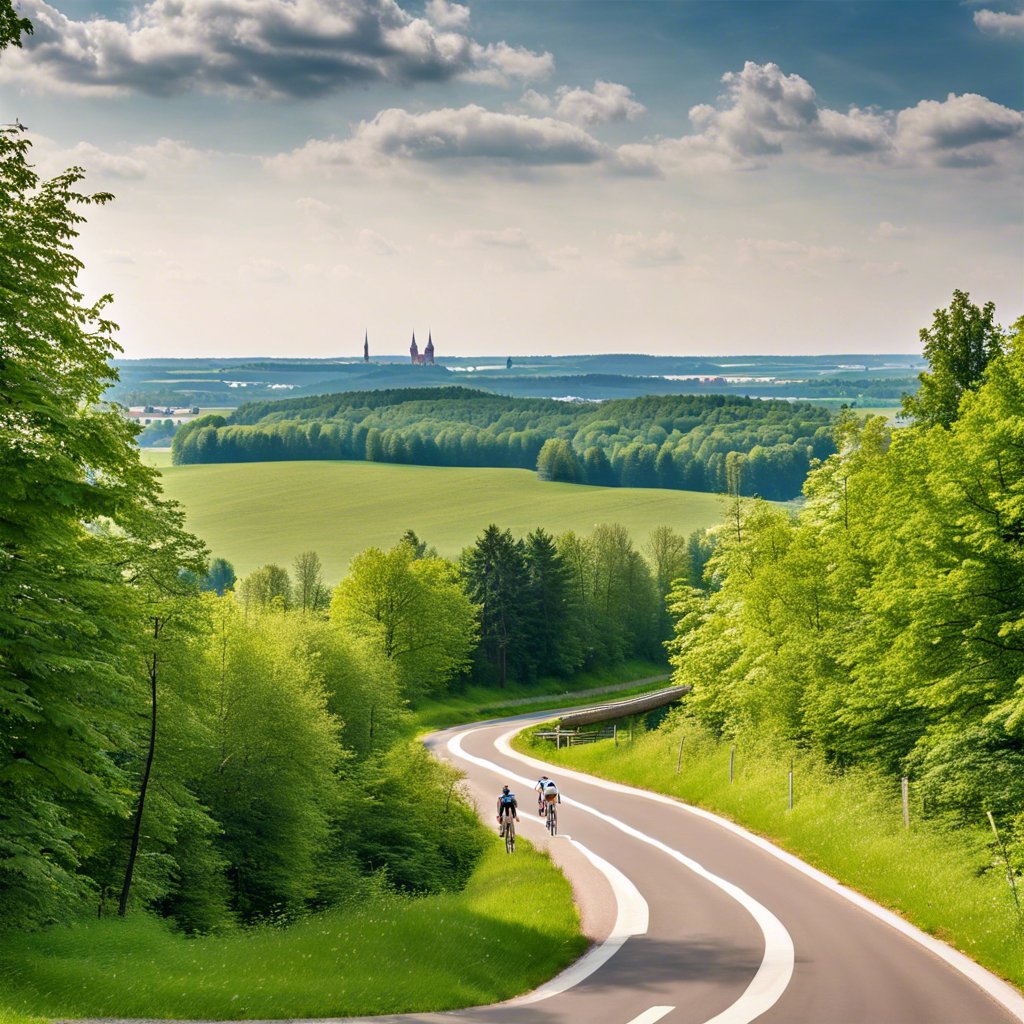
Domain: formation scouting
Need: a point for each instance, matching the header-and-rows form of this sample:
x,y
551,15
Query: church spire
x,y
366,346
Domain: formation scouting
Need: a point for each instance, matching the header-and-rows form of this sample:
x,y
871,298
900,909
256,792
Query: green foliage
x,y
382,955
881,625
12,28
404,815
219,577
86,545
961,342
848,824
414,611
267,587
557,461
608,443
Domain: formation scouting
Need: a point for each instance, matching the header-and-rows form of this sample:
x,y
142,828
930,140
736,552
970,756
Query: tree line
x,y
882,624
216,751
685,442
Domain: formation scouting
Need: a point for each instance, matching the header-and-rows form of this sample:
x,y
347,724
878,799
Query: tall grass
x,y
848,825
513,927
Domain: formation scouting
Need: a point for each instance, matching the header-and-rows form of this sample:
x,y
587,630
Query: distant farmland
x,y
253,513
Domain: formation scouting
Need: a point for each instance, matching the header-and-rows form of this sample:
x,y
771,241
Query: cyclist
x,y
547,793
507,808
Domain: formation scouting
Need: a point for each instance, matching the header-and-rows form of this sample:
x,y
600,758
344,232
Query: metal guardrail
x,y
624,708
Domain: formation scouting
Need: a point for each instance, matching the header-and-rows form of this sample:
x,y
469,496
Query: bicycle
x,y
510,835
552,818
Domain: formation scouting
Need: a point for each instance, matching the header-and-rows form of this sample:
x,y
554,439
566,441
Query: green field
x,y
390,955
254,513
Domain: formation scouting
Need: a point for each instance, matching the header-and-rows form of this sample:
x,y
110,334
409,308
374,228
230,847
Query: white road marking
x,y
776,967
655,1013
1002,992
631,917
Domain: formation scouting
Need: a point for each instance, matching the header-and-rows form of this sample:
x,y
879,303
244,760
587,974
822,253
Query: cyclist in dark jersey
x,y
507,808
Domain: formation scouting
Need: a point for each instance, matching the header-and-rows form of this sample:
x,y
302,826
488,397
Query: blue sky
x,y
551,176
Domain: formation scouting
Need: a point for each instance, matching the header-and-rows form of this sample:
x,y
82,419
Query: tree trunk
x,y
122,905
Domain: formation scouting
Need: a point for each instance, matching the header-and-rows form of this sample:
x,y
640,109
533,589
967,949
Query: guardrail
x,y
624,708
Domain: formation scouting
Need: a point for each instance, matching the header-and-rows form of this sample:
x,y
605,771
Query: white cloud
x,y
608,101
647,250
765,115
961,131
292,48
447,15
135,163
1000,23
470,135
373,242
497,63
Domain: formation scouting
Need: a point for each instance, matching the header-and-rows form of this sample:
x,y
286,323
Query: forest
x,y
689,442
882,625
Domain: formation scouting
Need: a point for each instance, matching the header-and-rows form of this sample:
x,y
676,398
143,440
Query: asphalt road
x,y
703,924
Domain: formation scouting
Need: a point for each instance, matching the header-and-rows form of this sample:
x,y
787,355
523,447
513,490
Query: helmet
x,y
504,789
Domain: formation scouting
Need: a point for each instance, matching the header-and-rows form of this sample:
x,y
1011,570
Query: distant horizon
x,y
440,360
778,177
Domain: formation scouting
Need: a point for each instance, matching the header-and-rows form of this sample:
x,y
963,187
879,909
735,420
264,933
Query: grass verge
x,y
396,955
850,826
479,702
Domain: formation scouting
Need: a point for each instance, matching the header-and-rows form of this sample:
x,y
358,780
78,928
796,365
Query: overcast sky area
x,y
554,176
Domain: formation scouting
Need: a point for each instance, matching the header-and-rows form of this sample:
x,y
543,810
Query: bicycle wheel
x,y
510,836
552,819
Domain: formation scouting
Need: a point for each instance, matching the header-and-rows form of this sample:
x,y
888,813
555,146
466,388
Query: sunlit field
x,y
255,513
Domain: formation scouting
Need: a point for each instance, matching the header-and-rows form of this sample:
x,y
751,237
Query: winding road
x,y
698,922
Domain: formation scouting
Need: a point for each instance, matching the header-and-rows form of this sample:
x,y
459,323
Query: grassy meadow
x,y
850,826
393,955
255,513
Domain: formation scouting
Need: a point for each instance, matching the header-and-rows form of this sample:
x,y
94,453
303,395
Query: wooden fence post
x,y
679,756
905,785
732,760
1006,861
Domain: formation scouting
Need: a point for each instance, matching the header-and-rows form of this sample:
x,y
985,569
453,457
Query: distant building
x,y
508,363
424,358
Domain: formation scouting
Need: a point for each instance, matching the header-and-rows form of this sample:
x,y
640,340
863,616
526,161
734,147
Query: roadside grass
x,y
255,513
849,826
513,927
478,702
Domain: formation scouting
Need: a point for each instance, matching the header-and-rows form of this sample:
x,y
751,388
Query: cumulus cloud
x,y
765,114
647,250
1000,24
134,163
447,15
469,135
270,48
961,131
607,101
